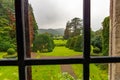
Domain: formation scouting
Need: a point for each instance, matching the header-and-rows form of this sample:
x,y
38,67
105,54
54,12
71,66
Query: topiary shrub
x,y
96,50
11,51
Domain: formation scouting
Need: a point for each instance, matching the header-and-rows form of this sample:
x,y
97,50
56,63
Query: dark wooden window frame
x,y
22,61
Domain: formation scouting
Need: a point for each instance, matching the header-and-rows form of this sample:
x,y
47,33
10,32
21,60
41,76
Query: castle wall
x,y
114,48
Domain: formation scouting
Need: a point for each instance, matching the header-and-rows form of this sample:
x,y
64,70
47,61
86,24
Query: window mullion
x,y
86,23
27,38
19,10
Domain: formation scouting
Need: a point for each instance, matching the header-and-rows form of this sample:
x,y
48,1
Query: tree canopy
x,y
73,28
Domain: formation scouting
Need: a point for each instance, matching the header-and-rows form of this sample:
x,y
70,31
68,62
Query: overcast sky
x,y
56,13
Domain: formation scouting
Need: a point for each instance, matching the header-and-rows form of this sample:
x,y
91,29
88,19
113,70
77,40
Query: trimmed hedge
x,y
75,43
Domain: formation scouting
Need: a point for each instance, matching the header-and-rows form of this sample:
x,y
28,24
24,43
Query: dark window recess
x,y
22,29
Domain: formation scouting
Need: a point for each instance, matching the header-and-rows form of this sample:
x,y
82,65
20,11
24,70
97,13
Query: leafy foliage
x,y
96,50
6,41
65,76
7,25
97,40
43,43
34,23
75,43
7,33
105,38
79,44
73,28
11,51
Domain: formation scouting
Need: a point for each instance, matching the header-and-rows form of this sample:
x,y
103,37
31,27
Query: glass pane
x,y
8,47
57,72
56,31
100,11
9,73
99,71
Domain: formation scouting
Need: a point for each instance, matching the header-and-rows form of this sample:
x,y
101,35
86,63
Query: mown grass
x,y
60,42
60,51
47,72
8,73
52,72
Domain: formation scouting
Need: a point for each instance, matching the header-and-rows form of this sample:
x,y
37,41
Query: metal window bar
x,y
22,62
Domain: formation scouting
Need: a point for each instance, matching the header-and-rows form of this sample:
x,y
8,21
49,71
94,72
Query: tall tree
x,y
67,31
73,28
76,24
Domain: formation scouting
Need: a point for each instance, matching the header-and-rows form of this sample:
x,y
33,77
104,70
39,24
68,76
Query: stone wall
x,y
114,50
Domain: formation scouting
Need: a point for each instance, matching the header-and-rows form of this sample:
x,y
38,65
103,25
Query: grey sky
x,y
55,13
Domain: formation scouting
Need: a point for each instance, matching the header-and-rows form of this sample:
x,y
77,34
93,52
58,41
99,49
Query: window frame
x,y
22,61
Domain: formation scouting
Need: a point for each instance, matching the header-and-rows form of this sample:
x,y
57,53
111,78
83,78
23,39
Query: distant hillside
x,y
59,31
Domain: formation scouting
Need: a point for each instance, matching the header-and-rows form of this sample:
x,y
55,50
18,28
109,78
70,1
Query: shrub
x,y
11,51
68,42
96,50
4,46
65,76
75,43
97,42
78,45
43,43
71,42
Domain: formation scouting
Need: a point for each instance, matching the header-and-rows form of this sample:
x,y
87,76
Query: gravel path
x,y
68,68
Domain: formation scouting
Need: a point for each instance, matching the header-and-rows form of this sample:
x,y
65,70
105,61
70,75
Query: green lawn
x,y
95,72
60,42
8,73
52,72
47,72
61,51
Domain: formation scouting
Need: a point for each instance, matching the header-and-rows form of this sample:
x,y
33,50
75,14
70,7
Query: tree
x,y
43,43
105,38
67,31
76,23
73,28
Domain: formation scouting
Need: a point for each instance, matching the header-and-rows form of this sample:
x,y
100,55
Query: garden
x,y
43,46
54,72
